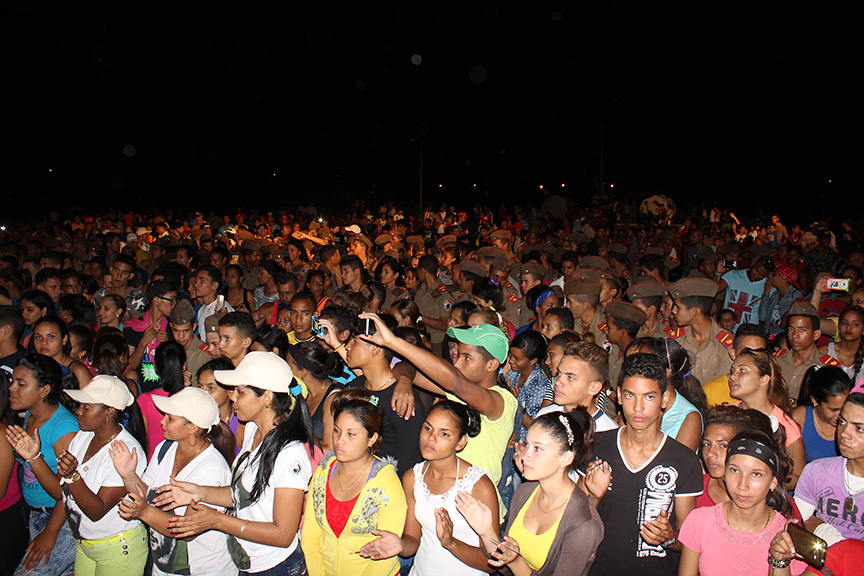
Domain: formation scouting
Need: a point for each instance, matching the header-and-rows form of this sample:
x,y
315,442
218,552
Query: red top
x,y
338,512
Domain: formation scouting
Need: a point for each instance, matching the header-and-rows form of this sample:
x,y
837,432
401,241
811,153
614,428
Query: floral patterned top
x,y
537,388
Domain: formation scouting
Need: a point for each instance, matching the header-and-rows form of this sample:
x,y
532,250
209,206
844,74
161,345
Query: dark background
x,y
754,107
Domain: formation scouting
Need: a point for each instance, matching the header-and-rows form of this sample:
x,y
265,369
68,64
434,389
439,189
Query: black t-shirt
x,y
637,496
401,438
7,363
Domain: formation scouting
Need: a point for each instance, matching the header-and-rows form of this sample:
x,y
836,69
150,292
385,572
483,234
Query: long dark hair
x,y
778,498
859,354
822,383
581,425
223,440
168,361
295,424
132,419
7,415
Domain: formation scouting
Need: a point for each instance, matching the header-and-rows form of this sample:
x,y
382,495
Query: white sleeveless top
x,y
432,558
849,370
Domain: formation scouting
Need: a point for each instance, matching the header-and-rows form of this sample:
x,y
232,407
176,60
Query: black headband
x,y
302,361
756,449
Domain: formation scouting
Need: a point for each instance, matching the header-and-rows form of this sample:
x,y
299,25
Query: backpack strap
x,y
164,450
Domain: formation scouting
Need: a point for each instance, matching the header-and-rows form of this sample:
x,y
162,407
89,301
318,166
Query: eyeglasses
x,y
173,301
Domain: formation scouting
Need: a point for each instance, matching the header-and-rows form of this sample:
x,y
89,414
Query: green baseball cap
x,y
486,336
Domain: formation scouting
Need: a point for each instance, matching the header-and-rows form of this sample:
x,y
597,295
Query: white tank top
x,y
432,559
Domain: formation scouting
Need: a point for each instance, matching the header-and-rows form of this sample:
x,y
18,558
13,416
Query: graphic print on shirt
x,y
742,303
658,494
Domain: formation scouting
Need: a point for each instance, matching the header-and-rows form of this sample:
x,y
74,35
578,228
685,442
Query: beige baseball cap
x,y
194,404
104,389
263,370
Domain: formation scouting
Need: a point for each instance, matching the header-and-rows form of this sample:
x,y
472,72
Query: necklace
x,y
387,383
178,468
556,507
849,503
90,452
343,488
819,427
728,505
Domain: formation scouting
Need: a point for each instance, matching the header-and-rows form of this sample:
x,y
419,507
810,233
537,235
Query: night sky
x,y
701,103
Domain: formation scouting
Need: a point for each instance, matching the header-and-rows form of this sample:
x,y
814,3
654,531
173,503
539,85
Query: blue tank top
x,y
674,416
816,446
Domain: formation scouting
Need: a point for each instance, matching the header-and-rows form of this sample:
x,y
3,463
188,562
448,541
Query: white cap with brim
x,y
193,404
262,370
104,389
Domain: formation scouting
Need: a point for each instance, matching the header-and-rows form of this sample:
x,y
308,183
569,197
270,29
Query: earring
x,y
192,444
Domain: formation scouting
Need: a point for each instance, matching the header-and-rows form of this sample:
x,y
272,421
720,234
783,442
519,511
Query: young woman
x,y
13,509
312,364
92,489
849,350
540,299
234,292
753,380
269,477
722,424
435,531
682,419
552,527
195,449
34,305
354,496
527,379
206,380
734,536
77,307
36,390
823,392
390,274
81,340
112,311
412,282
170,365
51,338
267,290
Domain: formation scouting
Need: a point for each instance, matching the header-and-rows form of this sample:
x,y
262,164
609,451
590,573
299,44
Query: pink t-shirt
x,y
726,552
153,419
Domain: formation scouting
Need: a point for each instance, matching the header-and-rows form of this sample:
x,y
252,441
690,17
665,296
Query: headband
x,y
756,449
543,297
563,419
302,361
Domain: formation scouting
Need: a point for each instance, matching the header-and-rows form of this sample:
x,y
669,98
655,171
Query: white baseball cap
x,y
194,404
263,370
104,389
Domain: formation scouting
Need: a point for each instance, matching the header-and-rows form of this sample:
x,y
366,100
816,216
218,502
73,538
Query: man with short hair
x,y
434,300
700,335
582,374
623,321
11,328
555,321
70,281
583,297
400,436
121,271
48,280
656,479
329,256
802,332
237,332
743,290
182,324
351,267
648,296
207,280
250,256
747,336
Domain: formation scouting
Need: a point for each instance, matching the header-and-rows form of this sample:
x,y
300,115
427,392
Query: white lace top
x,y
432,558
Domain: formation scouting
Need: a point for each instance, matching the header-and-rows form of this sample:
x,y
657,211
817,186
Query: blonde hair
x,y
488,315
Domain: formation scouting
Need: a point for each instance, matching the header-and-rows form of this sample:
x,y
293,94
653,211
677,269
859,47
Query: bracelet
x,y
339,348
242,528
778,563
39,455
670,542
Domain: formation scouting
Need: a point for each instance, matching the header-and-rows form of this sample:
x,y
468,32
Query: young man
x,y
121,271
434,300
207,280
747,336
70,281
472,380
48,280
237,332
250,256
555,321
182,324
623,321
399,435
582,373
530,275
11,328
302,309
351,267
655,479
701,336
583,297
648,296
744,290
802,332
211,328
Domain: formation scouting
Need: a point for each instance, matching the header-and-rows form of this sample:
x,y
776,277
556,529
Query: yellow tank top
x,y
533,547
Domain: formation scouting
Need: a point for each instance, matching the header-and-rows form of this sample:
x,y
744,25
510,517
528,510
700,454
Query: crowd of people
x,y
279,394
